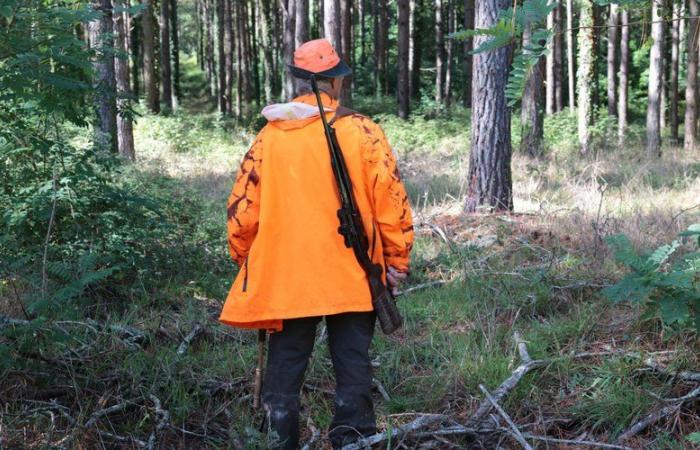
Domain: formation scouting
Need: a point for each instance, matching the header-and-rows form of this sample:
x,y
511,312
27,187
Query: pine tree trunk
x,y
675,46
362,13
211,48
228,55
239,59
175,36
570,52
450,53
468,46
411,46
102,41
531,111
165,63
331,24
417,57
301,26
246,57
200,34
559,75
613,20
623,74
149,58
135,49
439,53
586,74
288,17
653,123
402,89
221,50
691,83
550,95
346,48
489,177
254,63
125,134
264,20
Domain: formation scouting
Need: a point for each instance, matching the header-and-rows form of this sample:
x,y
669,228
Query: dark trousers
x,y
349,337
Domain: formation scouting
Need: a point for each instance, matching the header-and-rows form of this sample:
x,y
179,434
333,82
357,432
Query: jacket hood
x,y
299,112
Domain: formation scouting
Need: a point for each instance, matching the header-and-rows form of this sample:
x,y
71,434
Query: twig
x,y
516,432
315,435
184,345
381,390
422,286
683,375
164,417
574,442
103,412
522,347
420,422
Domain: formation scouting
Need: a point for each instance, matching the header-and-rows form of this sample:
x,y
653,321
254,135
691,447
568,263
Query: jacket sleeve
x,y
243,212
392,210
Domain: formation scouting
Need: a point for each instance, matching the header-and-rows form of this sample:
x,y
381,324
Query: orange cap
x,y
319,57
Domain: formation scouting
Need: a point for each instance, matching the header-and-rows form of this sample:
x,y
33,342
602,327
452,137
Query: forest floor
x,y
170,376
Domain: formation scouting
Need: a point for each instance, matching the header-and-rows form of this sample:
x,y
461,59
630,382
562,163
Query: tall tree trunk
x,y
200,33
623,74
468,46
550,95
246,55
175,35
402,89
531,111
450,52
149,58
346,48
254,62
221,50
102,41
264,20
570,52
439,53
165,64
211,49
362,13
613,20
135,49
331,24
125,134
239,58
289,17
229,46
489,178
653,124
417,58
411,46
559,75
301,26
691,83
586,73
675,46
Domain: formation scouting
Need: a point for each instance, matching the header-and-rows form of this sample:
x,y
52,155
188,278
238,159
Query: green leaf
x,y
674,310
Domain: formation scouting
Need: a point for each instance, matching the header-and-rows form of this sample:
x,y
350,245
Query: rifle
x,y
353,231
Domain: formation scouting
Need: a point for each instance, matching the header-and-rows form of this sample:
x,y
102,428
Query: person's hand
x,y
393,278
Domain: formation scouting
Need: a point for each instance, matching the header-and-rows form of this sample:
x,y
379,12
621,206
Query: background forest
x,y
550,153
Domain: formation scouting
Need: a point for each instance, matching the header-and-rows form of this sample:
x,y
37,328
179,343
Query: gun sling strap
x,y
351,226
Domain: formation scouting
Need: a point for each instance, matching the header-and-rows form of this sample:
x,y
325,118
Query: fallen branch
x,y
422,286
683,375
515,431
381,389
658,415
574,442
420,422
191,336
103,412
164,417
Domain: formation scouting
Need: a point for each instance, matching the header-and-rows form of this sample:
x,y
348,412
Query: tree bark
x,y
264,20
489,177
439,53
149,58
411,46
301,26
402,81
531,110
102,41
675,46
288,18
623,74
468,46
346,48
175,36
136,55
570,52
221,50
691,83
449,53
331,24
550,95
245,61
125,134
254,61
165,63
239,58
229,46
613,20
417,58
653,123
559,58
586,73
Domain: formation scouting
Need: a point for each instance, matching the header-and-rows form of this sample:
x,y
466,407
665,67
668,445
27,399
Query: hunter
x,y
295,269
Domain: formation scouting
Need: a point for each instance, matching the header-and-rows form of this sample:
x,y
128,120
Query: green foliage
x,y
668,287
509,29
